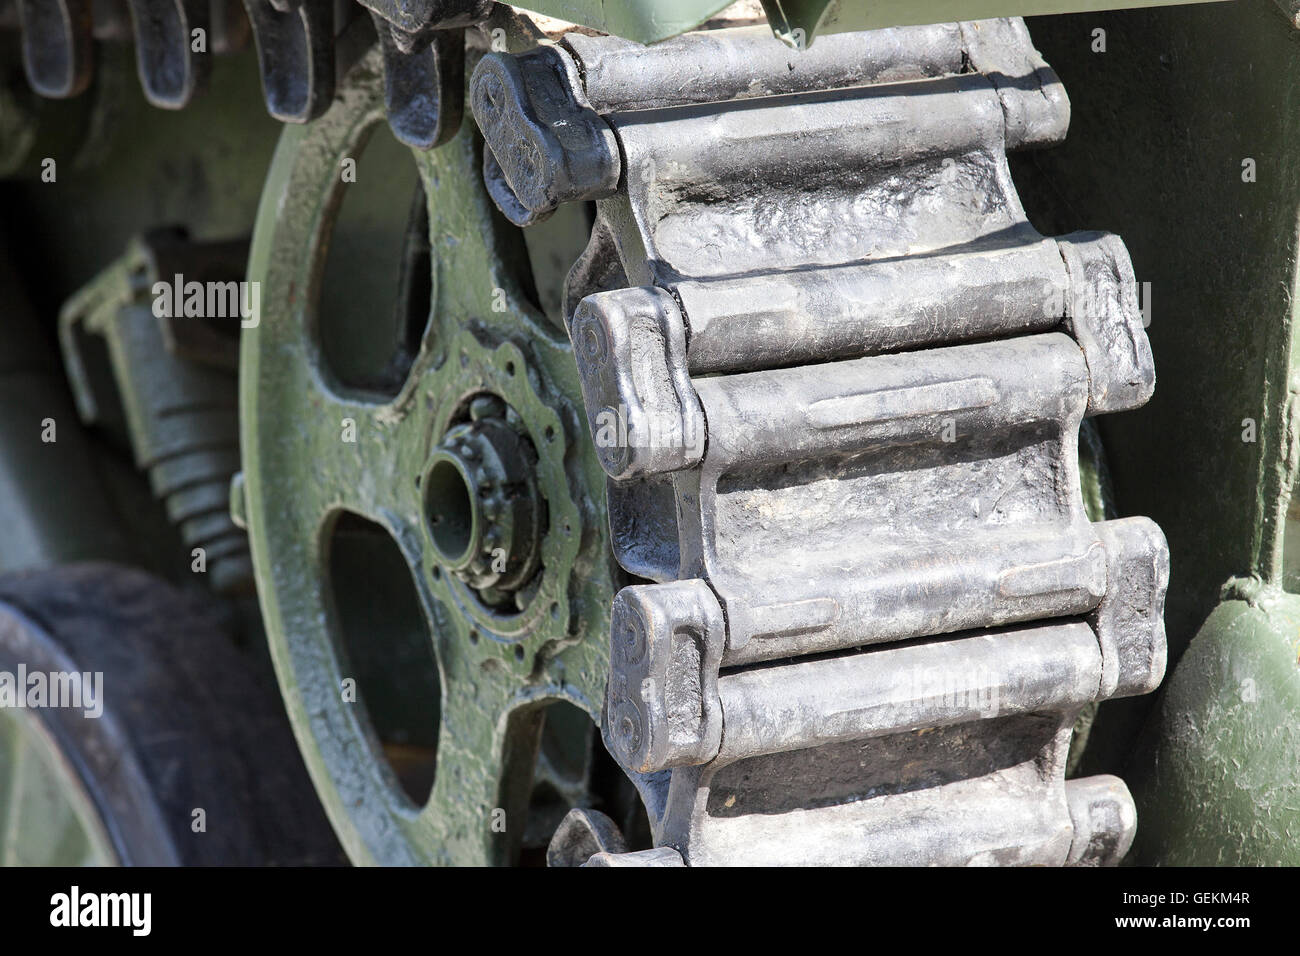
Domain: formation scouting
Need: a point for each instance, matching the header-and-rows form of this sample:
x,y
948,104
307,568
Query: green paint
x,y
497,670
1222,749
647,21
47,817
642,20
799,21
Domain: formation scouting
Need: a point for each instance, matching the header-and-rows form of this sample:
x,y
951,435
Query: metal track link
x,y
836,381
302,46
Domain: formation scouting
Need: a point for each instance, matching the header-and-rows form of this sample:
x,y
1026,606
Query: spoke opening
x,y
387,650
377,284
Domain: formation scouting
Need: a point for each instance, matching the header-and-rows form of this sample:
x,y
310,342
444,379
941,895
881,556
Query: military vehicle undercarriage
x,y
650,433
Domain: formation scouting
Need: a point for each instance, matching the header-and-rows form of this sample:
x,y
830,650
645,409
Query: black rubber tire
x,y
189,720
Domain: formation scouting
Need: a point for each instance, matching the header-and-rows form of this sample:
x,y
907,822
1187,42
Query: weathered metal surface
x,y
648,21
170,67
174,378
415,17
517,100
1104,821
173,40
659,856
541,137
423,41
56,45
424,88
824,508
1217,766
581,835
722,325
1212,458
485,362
295,51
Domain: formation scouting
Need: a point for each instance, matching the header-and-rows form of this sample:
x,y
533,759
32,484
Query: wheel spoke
x,y
479,804
365,457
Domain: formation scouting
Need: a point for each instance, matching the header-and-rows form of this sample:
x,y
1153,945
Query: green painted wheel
x,y
425,514
47,815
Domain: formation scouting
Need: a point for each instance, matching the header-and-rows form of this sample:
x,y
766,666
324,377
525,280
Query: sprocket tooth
x,y
57,48
295,53
171,70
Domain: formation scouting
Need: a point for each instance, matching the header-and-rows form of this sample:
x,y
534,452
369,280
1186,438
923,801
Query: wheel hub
x,y
486,517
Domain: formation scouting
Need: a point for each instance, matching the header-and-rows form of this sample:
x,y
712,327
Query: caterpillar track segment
x,y
836,381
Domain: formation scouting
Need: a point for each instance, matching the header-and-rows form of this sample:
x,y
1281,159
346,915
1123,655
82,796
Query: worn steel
x,y
57,50
659,856
581,835
295,51
422,39
416,17
720,322
171,70
517,101
802,480
424,89
798,22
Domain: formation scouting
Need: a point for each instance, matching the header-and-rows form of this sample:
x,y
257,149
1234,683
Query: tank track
x,y
835,378
836,381
301,47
